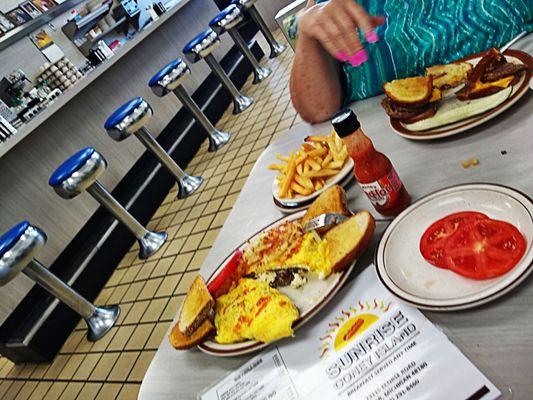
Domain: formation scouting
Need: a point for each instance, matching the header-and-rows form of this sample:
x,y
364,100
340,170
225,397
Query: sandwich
x,y
449,75
194,322
411,99
332,200
491,74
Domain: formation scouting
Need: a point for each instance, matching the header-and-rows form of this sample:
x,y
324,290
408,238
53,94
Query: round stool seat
x,y
228,18
244,3
169,77
201,45
128,118
17,248
77,173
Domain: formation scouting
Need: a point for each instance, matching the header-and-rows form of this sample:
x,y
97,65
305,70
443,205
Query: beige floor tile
x,y
89,391
162,210
27,370
121,337
105,293
26,391
71,366
133,292
13,390
40,370
185,229
198,259
141,366
117,294
55,390
104,366
162,267
220,219
41,390
109,391
245,170
237,185
230,176
203,223
180,217
123,366
157,335
238,162
172,308
192,242
129,392
136,312
4,387
222,190
71,391
130,273
174,247
102,344
229,201
196,212
15,370
146,270
86,367
207,194
213,206
57,366
139,337
124,311
209,238
150,288
186,282
168,285
181,263
165,221
6,367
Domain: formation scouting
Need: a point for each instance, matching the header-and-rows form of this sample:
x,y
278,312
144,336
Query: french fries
x,y
306,171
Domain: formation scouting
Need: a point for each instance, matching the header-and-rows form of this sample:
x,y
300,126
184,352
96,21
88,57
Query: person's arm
x,y
325,31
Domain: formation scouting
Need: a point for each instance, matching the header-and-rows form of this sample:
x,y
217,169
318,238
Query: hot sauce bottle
x,y
373,170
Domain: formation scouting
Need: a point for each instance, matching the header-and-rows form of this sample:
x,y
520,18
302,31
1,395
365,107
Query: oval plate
x,y
519,89
404,271
309,299
298,203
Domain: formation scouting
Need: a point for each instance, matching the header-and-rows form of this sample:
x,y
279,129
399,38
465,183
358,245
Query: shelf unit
x,y
74,29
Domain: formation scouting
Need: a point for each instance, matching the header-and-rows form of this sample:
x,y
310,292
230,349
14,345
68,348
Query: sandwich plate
x,y
309,299
405,272
298,203
518,90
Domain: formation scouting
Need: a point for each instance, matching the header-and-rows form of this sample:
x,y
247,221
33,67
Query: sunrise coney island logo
x,y
350,324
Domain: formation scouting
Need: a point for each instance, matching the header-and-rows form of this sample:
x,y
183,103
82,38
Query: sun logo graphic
x,y
350,324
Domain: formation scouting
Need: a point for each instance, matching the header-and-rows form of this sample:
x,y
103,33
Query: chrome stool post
x,y
227,21
169,79
276,48
201,47
80,172
18,247
130,119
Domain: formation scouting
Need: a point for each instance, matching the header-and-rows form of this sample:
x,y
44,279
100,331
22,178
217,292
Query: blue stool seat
x,y
164,71
122,112
198,39
8,239
243,3
233,15
71,165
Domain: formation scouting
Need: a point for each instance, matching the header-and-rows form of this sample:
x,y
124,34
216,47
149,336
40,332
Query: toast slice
x,y
349,239
197,307
410,92
332,200
182,342
449,75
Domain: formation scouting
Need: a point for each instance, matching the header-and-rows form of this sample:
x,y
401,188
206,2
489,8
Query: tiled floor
x,y
150,292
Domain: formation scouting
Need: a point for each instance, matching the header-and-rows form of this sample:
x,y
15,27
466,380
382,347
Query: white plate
x,y
519,89
404,271
302,202
309,299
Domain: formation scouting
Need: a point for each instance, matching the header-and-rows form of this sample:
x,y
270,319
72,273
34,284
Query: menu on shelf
x,y
364,345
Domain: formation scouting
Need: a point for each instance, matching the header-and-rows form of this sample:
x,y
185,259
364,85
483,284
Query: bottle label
x,y
384,191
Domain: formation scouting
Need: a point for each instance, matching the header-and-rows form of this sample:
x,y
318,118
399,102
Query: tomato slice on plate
x,y
434,238
484,249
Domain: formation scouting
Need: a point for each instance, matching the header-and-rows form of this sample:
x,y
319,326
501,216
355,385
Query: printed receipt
x,y
263,378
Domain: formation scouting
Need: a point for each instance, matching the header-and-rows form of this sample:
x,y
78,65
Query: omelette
x,y
254,310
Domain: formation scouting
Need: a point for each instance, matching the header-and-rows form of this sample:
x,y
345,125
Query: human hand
x,y
334,25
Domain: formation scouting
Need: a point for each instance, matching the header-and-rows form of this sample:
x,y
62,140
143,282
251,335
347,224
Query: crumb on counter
x,y
470,163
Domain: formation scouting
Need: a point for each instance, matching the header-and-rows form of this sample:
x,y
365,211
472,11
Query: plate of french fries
x,y
320,162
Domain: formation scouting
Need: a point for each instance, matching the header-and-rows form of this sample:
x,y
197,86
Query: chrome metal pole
x,y
151,144
101,195
276,48
41,275
191,105
226,81
260,73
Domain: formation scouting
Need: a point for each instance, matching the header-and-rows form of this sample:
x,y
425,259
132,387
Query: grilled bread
x,y
332,200
410,92
181,342
349,239
197,307
449,75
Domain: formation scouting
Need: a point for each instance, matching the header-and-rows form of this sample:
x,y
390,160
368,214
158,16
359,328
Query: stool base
x,y
260,74
188,185
218,139
241,103
276,49
151,243
101,322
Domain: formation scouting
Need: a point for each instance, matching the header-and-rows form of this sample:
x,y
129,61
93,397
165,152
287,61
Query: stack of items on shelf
x,y
60,75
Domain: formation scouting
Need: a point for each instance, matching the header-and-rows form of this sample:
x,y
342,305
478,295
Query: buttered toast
x,y
410,92
449,75
332,200
197,307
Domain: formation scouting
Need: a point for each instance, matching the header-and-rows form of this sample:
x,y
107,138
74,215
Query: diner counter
x,y
495,336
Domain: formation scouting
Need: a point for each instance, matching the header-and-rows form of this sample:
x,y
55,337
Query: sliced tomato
x,y
484,249
434,238
221,283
